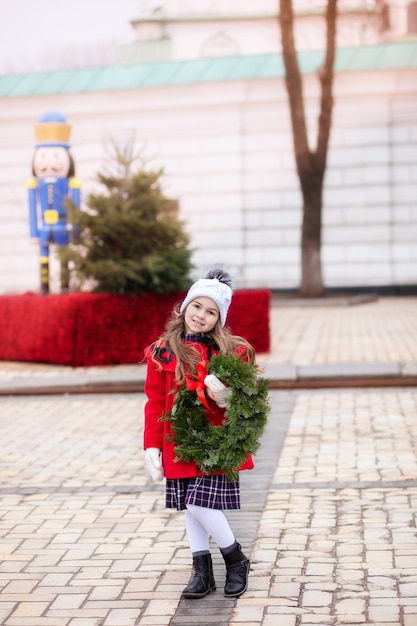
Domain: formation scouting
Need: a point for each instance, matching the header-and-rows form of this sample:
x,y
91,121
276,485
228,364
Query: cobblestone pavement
x,y
328,515
337,540
379,331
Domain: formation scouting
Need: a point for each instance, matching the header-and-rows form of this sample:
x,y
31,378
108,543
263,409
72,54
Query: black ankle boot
x,y
237,571
203,581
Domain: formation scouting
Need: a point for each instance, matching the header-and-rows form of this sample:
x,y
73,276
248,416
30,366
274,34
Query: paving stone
x,y
30,609
121,617
284,620
316,598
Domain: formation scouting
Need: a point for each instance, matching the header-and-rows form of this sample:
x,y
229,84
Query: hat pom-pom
x,y
222,276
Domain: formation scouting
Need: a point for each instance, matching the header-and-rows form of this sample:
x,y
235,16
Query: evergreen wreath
x,y
222,448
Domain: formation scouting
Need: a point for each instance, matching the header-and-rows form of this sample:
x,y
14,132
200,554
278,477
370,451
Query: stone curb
x,y
280,376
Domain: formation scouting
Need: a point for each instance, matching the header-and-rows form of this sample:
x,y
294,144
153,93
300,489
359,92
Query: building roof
x,y
160,74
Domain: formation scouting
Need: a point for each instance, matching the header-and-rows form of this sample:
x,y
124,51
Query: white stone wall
x,y
227,153
202,28
370,215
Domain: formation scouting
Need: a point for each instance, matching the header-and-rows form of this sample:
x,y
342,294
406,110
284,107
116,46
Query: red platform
x,y
86,329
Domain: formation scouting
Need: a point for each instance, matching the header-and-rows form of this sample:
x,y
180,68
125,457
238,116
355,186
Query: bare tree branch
x,y
294,87
326,81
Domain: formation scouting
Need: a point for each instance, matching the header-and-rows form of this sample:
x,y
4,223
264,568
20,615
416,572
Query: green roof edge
x,y
388,56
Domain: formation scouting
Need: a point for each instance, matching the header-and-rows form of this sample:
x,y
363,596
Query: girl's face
x,y
201,316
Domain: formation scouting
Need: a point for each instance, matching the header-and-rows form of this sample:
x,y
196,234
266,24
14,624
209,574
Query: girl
x,y
196,332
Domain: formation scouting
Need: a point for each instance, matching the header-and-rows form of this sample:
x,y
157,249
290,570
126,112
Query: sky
x,y
42,35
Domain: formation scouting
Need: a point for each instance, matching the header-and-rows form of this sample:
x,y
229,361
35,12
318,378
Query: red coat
x,y
159,385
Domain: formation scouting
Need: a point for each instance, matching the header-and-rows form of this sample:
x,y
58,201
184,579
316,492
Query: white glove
x,y
217,391
153,462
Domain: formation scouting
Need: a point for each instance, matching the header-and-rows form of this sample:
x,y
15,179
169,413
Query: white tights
x,y
201,522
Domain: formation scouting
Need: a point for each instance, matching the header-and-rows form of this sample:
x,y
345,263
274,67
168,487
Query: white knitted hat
x,y
217,286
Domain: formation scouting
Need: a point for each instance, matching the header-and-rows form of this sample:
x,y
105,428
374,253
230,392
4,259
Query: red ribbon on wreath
x,y
196,382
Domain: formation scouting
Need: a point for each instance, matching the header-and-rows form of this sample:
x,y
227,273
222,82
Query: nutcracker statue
x,y
52,183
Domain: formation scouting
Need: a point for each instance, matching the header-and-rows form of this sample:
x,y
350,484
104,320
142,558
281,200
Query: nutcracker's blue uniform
x,y
49,190
50,193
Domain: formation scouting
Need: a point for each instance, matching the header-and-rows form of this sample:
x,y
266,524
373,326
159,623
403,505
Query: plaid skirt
x,y
212,492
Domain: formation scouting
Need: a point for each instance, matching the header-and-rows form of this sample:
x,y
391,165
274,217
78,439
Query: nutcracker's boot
x,y
237,571
203,580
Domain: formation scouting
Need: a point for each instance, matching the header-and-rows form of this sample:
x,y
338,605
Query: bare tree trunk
x,y
311,164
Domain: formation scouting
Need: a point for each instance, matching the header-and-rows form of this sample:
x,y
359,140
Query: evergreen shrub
x,y
128,240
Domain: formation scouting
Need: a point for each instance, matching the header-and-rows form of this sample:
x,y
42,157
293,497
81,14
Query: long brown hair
x,y
186,354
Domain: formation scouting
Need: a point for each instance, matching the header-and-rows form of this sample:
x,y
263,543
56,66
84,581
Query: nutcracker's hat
x,y
52,130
